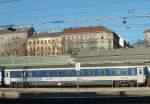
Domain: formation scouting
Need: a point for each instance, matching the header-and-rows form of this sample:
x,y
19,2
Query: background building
x,y
97,37
124,44
139,43
44,44
13,40
147,38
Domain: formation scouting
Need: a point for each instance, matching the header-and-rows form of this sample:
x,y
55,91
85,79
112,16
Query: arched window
x,y
41,48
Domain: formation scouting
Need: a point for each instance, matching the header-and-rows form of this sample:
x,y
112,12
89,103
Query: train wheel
x,y
131,84
14,85
116,84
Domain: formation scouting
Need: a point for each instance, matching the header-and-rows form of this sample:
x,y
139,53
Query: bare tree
x,y
15,47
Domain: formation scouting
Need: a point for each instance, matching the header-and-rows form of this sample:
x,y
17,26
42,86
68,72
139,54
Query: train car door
x,y
140,75
7,77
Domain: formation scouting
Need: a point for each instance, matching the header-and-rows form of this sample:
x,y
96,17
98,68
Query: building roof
x,y
147,30
12,30
44,34
87,29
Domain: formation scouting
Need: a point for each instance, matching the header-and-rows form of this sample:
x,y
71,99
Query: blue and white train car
x,y
87,76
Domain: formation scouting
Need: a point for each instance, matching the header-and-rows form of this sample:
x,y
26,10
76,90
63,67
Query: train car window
x,y
113,72
101,72
35,73
74,73
69,73
53,73
85,72
123,72
58,73
19,74
132,71
29,74
107,72
90,72
13,74
81,73
43,73
63,73
96,72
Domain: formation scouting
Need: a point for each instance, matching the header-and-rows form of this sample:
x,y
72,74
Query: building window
x,y
102,37
45,42
49,48
37,48
38,42
30,42
53,41
1,38
45,48
49,41
41,41
41,48
34,42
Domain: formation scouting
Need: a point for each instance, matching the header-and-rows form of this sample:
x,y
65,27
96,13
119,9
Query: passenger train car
x,y
69,76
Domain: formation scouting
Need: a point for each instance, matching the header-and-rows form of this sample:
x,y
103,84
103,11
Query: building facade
x,y
13,40
44,44
124,44
147,38
81,38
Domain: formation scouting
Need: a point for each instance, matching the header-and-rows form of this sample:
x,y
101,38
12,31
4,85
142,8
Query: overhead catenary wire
x,y
66,6
7,1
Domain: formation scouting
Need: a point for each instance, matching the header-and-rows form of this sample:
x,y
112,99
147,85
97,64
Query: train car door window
x,y
140,71
7,74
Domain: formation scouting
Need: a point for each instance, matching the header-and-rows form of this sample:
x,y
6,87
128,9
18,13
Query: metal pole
x,y
78,81
78,69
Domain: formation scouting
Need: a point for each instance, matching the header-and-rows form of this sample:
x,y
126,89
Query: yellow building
x,y
44,44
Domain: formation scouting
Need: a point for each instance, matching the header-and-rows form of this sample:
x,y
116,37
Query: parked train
x,y
68,76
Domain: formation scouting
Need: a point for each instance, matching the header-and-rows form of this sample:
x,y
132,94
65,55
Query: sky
x,y
51,15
